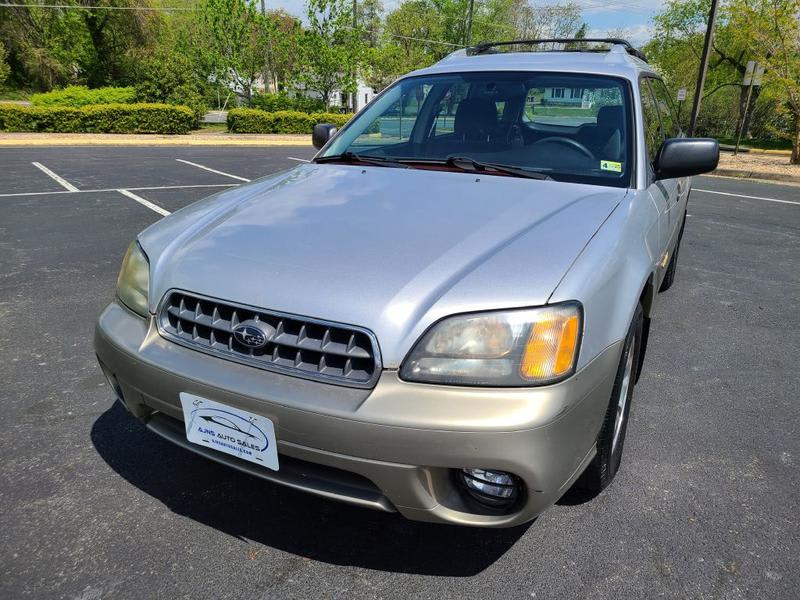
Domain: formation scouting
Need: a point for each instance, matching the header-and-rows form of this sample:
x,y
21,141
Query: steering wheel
x,y
558,139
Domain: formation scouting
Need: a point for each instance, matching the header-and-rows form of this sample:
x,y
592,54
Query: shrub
x,y
283,101
100,118
169,78
79,95
250,120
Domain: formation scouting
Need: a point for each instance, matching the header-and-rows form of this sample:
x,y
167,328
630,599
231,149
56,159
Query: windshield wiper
x,y
362,158
465,163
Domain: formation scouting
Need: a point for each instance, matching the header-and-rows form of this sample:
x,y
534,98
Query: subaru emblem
x,y
253,334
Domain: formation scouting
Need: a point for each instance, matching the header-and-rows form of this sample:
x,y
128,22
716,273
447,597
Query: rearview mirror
x,y
683,157
321,134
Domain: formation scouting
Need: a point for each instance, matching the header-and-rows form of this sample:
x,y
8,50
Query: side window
x,y
665,108
653,134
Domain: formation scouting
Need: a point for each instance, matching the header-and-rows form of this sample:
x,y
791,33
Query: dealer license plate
x,y
230,430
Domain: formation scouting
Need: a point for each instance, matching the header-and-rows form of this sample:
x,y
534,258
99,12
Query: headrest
x,y
610,117
475,118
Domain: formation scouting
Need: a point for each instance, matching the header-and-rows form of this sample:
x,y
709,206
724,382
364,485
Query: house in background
x,y
559,96
339,99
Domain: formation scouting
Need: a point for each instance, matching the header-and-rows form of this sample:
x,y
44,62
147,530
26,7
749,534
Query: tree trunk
x,y
796,140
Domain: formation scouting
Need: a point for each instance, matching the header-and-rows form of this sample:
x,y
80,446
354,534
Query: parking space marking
x,y
188,162
298,159
745,196
135,189
57,178
154,207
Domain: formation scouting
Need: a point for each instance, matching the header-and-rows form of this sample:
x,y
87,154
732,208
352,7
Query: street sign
x,y
758,75
681,94
748,73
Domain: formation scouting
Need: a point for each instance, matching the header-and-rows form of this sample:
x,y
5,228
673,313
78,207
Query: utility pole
x,y
468,32
701,76
265,75
354,95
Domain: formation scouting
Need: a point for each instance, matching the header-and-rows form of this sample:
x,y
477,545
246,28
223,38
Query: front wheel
x,y
601,471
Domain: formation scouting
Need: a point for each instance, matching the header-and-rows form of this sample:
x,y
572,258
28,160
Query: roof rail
x,y
488,46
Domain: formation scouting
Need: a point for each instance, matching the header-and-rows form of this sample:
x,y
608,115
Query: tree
x,y
169,77
331,48
283,48
772,30
416,27
4,68
50,47
234,43
675,51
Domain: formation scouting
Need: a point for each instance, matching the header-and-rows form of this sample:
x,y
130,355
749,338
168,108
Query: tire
x,y
669,277
601,471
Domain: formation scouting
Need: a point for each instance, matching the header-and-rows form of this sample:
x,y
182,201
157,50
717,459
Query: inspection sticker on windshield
x,y
230,430
610,165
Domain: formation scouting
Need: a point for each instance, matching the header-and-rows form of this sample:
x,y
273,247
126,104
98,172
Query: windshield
x,y
571,127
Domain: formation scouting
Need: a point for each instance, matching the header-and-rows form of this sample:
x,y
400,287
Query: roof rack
x,y
484,47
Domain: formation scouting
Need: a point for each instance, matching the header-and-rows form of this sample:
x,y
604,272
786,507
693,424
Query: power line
x,y
82,7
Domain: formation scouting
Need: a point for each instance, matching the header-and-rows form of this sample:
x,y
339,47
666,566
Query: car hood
x,y
392,250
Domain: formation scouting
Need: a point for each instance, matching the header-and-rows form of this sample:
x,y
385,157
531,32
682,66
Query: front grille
x,y
299,346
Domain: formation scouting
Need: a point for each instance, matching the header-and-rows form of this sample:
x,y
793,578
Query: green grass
x,y
758,144
564,111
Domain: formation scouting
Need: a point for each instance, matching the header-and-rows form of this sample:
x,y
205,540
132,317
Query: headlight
x,y
133,282
510,348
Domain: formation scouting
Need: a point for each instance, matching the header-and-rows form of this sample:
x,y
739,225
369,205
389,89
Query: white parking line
x,y
298,159
60,180
136,189
188,162
143,202
745,196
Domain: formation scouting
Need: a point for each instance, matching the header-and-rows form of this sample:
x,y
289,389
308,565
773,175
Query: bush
x,y
79,95
282,101
250,120
101,118
169,78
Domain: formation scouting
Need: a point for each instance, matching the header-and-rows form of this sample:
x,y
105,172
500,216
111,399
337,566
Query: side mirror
x,y
321,134
683,157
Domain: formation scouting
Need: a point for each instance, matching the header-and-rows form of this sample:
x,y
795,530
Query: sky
x,y
601,15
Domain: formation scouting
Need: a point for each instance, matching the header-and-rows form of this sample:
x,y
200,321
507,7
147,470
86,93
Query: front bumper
x,y
394,447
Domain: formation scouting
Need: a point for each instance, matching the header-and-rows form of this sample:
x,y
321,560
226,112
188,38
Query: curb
x,y
727,148
745,174
43,139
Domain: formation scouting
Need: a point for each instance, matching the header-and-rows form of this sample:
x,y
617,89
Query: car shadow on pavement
x,y
322,530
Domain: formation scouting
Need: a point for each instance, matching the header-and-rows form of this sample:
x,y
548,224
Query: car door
x,y
660,191
678,188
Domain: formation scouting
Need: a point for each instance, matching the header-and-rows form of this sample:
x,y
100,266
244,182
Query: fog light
x,y
496,488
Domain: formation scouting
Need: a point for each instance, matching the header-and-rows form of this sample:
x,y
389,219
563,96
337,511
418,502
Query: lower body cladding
x,y
400,446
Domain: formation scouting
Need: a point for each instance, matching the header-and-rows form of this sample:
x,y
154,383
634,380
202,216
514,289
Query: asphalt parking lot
x,y
95,506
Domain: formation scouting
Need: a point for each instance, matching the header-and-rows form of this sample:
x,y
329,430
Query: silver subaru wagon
x,y
444,314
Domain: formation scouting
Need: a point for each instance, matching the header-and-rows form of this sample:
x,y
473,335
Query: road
x,y
95,506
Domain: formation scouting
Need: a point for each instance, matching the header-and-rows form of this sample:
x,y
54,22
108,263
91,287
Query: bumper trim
x,y
328,482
